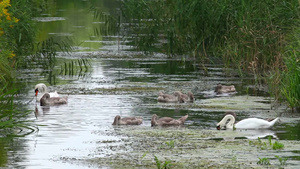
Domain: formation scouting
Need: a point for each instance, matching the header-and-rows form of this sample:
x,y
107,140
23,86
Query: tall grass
x,y
290,77
240,31
251,35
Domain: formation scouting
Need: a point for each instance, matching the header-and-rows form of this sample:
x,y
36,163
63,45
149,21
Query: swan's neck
x,y
230,123
43,89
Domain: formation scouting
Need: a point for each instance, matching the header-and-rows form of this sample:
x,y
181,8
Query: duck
x,y
42,89
189,97
127,120
220,89
46,100
169,98
167,121
249,123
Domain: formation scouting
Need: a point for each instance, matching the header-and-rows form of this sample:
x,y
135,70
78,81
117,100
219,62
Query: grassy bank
x,y
254,36
17,34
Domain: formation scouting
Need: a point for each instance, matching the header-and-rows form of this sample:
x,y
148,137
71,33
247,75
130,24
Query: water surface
x,y
124,82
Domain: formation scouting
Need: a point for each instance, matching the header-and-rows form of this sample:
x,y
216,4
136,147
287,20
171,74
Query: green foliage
x,y
264,161
277,146
281,160
291,76
259,143
171,143
263,145
241,31
17,48
75,67
253,36
160,165
234,159
46,51
111,24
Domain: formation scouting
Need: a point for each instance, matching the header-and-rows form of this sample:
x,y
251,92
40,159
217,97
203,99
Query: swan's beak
x,y
36,92
218,127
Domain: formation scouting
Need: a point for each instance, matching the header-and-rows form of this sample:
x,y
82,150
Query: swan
x,y
127,120
42,89
224,89
167,121
169,98
249,123
46,100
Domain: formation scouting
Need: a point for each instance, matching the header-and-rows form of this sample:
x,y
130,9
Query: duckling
x,y
224,89
169,98
189,97
46,100
167,121
127,120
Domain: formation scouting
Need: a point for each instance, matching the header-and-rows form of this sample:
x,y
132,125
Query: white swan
x,y
42,89
249,123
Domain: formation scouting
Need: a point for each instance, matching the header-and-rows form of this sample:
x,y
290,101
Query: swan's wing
x,y
253,123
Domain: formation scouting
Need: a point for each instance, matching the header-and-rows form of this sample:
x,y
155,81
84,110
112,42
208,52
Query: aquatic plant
x,y
281,160
111,23
259,143
75,67
171,143
160,165
263,145
264,161
277,145
290,77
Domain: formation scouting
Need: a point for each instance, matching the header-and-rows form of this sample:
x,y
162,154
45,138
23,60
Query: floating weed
x,y
234,159
277,146
143,156
281,160
263,145
171,143
160,165
259,143
264,161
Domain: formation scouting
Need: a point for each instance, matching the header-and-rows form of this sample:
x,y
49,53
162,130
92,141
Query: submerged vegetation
x,y
259,37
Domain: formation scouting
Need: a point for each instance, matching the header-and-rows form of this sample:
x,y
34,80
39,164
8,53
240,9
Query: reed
x,y
77,67
290,78
251,36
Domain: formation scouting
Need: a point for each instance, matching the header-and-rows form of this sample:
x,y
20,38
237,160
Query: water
x,y
80,134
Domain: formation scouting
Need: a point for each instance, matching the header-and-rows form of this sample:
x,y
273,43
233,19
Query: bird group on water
x,y
228,122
